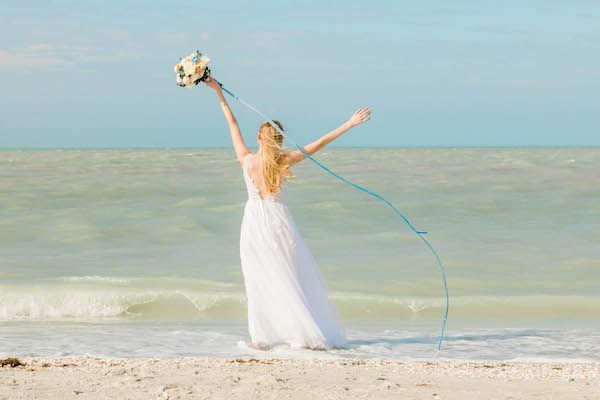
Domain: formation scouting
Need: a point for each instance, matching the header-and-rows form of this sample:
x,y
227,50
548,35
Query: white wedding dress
x,y
287,301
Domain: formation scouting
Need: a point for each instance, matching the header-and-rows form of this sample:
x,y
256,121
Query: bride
x,y
287,301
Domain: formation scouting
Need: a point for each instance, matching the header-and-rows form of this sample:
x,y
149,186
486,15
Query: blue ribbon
x,y
370,193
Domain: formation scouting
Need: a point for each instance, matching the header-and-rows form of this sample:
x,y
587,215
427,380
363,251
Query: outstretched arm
x,y
241,150
361,115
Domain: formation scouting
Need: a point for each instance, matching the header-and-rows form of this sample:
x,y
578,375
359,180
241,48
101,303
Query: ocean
x,y
135,252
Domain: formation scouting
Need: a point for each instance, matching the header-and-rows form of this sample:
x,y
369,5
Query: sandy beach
x,y
211,378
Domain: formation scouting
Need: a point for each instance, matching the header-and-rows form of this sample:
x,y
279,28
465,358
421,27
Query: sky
x,y
436,73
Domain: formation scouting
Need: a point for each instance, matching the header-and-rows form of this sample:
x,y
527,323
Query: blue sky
x,y
460,73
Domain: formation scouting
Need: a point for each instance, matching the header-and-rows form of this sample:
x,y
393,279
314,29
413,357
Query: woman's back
x,y
253,167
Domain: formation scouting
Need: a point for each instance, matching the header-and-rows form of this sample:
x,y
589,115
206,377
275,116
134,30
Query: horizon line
x,y
330,147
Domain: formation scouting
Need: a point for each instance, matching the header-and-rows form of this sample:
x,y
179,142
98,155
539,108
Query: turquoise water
x,y
127,240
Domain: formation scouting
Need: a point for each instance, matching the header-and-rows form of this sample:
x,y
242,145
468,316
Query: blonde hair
x,y
276,161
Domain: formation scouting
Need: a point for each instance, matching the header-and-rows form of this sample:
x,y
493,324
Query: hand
x,y
212,83
361,115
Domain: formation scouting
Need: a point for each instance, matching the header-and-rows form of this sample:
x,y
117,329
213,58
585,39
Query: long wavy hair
x,y
276,160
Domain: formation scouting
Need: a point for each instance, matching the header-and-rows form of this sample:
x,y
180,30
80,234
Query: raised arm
x,y
237,139
361,115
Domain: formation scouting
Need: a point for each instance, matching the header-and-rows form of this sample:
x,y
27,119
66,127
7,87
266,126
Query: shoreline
x,y
245,377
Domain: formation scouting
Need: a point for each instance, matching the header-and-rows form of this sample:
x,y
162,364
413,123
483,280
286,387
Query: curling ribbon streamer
x,y
373,194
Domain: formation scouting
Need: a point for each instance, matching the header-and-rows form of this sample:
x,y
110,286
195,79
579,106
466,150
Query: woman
x,y
287,302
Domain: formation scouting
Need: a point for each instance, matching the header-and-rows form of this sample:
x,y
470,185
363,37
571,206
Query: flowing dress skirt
x,y
287,300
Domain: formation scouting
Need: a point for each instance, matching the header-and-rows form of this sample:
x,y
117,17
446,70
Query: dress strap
x,y
246,158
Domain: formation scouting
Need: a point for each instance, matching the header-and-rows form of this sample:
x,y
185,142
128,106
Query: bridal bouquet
x,y
192,69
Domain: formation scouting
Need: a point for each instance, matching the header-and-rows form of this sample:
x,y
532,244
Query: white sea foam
x,y
145,339
96,278
96,297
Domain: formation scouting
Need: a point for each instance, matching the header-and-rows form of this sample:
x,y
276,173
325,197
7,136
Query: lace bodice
x,y
253,192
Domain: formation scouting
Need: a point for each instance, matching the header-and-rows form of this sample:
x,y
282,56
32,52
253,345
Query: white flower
x,y
192,71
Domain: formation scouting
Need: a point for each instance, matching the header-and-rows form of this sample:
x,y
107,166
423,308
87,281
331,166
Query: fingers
x,y
364,113
360,110
363,110
361,115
